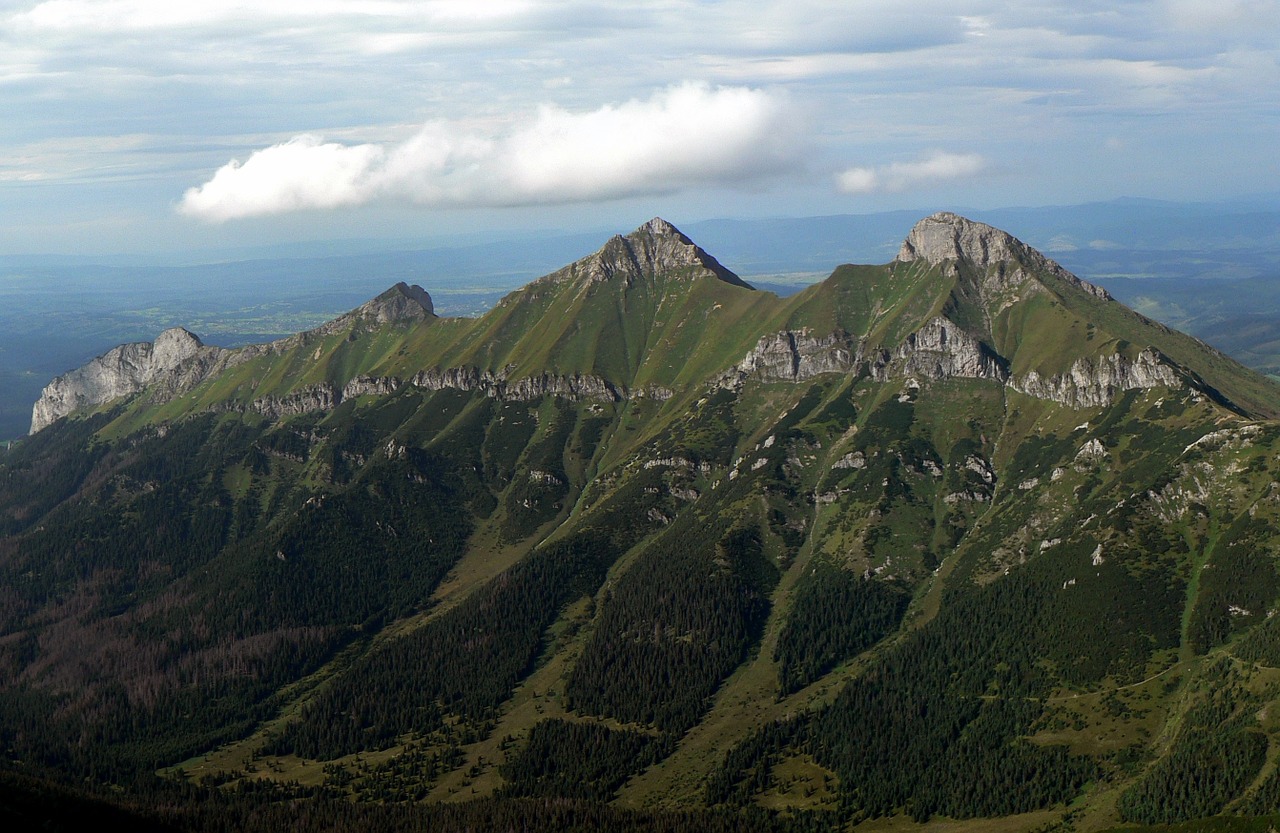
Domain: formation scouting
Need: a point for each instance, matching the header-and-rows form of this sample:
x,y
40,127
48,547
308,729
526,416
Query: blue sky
x,y
151,125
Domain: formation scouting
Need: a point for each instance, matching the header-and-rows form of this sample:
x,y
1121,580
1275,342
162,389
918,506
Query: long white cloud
x,y
906,176
682,136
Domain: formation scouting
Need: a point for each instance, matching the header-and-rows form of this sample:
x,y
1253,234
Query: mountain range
x,y
954,537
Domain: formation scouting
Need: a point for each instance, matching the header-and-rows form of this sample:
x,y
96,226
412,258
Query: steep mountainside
x,y
954,537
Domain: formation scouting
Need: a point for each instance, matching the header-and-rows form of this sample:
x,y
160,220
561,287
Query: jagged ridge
x,y
178,360
971,302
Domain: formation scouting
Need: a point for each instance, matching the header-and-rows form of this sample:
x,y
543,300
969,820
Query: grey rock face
x,y
497,385
400,303
371,386
305,400
121,371
1092,384
945,236
177,361
793,356
326,397
575,388
940,350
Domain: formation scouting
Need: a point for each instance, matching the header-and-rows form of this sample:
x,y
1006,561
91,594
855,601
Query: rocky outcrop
x,y
371,386
946,237
575,388
497,385
794,356
326,397
121,371
321,397
656,248
177,361
940,350
1091,384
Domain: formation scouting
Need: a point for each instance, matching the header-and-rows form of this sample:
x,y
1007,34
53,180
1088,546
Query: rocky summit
x,y
120,372
656,248
952,540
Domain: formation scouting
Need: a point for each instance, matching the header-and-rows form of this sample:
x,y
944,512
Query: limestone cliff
x,y
121,371
1089,384
1008,262
177,360
499,386
794,356
400,303
940,350
326,397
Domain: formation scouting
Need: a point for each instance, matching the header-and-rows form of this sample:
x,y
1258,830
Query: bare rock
x,y
121,371
576,387
371,386
940,350
1095,383
794,356
177,361
945,236
400,304
309,399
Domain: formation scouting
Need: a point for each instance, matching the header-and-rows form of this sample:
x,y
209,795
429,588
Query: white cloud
x,y
304,172
906,176
680,137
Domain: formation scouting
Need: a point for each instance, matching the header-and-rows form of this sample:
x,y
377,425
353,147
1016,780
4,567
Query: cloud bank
x,y
685,135
909,176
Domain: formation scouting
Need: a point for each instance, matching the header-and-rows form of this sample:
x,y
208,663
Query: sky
x,y
160,126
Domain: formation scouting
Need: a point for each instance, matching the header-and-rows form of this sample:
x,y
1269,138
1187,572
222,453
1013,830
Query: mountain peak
x,y
658,227
402,302
948,236
655,248
121,371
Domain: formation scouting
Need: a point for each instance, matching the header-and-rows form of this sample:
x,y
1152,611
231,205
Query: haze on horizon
x,y
141,125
